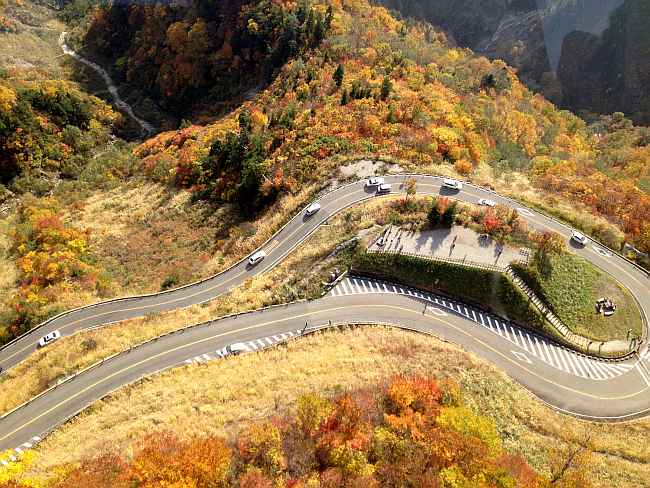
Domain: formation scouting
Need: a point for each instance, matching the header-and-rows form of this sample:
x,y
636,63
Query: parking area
x,y
454,243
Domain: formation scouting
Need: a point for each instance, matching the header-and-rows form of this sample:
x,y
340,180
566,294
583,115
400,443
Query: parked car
x,y
312,209
579,238
256,258
375,181
384,188
452,184
236,348
487,202
51,337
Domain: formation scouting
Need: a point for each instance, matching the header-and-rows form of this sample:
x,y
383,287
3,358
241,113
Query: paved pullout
x,y
282,243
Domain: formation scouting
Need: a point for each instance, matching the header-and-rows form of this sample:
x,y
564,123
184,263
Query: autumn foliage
x,y
53,260
410,432
381,86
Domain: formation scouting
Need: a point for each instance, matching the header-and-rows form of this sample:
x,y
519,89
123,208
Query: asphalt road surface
x,y
623,397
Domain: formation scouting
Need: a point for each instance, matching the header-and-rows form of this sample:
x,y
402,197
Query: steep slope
x,y
547,40
193,58
383,87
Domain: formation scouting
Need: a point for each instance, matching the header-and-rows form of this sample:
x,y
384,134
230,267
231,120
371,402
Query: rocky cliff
x,y
586,55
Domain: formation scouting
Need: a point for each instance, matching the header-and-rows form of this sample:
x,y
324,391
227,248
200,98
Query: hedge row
x,y
490,290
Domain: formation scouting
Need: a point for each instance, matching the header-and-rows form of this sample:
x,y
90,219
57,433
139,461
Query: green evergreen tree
x,y
339,74
345,98
386,88
449,215
434,214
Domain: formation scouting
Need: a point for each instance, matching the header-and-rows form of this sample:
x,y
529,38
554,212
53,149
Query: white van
x,y
256,258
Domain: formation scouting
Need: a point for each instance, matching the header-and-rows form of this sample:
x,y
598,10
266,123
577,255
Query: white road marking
x,y
522,357
558,357
438,312
643,374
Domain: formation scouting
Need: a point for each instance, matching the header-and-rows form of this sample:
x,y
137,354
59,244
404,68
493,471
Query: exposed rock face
x,y
589,55
610,72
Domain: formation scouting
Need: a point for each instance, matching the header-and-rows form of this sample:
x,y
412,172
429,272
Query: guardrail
x,y
319,195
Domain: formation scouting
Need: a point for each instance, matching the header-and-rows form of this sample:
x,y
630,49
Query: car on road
x,y
487,202
452,184
312,209
384,188
579,238
236,348
51,337
375,181
256,258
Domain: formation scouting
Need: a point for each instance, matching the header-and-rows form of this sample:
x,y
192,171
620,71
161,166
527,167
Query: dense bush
x,y
490,289
44,129
53,260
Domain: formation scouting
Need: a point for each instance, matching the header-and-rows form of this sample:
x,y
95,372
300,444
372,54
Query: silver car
x,y
47,339
236,348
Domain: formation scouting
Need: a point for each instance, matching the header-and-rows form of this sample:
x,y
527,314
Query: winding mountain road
x,y
600,395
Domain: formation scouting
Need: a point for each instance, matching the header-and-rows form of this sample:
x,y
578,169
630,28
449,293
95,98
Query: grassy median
x,y
570,289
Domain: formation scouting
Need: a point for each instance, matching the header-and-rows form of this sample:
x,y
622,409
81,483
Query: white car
x,y
487,202
384,188
375,181
312,209
452,184
51,337
579,238
236,348
256,258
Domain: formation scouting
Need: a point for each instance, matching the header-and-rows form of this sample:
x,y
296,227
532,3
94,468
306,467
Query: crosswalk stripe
x,y
489,321
276,338
569,358
474,315
268,341
334,291
605,372
523,341
355,286
261,343
344,286
496,323
540,351
207,357
385,287
363,286
557,357
514,335
505,331
580,365
643,373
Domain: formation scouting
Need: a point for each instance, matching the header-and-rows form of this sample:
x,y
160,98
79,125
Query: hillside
x,y
187,203
572,51
220,399
399,90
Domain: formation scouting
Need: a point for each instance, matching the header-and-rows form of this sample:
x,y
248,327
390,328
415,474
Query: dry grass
x,y
298,276
216,398
32,52
8,270
145,235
